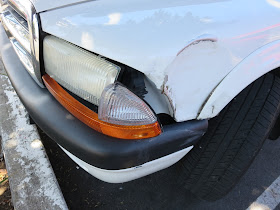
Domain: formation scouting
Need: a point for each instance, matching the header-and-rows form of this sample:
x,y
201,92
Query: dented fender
x,y
189,80
186,48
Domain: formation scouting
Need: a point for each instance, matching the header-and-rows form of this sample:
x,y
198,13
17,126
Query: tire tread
x,y
233,139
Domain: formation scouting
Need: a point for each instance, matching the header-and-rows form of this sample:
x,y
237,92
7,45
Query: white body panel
x,y
185,47
251,68
44,5
125,175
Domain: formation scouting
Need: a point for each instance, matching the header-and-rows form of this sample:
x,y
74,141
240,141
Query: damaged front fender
x,y
189,80
162,39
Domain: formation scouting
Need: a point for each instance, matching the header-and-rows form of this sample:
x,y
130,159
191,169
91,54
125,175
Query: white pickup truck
x,y
130,88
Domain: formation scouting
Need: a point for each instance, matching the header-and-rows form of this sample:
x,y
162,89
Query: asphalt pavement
x,y
160,190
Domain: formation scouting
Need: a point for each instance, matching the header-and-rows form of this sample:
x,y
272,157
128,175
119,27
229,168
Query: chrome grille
x,y
19,18
20,21
16,29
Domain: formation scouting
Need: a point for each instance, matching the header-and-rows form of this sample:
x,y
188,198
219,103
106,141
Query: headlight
x,y
121,113
78,70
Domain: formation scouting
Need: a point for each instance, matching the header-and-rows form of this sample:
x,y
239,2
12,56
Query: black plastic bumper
x,y
90,146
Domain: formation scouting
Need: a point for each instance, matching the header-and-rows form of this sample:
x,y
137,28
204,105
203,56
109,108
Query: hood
x,y
43,5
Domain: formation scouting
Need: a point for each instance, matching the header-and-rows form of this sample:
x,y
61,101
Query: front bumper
x,y
88,145
128,174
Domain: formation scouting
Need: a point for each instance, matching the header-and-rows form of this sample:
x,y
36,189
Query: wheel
x,y
232,141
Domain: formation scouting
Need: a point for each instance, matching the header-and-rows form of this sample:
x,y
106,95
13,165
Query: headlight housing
x,y
121,113
78,70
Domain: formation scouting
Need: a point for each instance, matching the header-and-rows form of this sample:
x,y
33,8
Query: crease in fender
x,y
206,100
167,90
201,38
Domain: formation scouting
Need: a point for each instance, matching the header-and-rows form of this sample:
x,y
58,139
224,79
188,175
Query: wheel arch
x,y
257,64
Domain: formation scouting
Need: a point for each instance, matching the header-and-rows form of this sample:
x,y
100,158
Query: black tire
x,y
233,140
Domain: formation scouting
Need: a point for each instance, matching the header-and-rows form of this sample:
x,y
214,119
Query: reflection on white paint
x,y
275,3
206,20
86,40
114,19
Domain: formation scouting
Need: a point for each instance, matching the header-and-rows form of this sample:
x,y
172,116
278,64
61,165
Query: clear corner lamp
x,y
120,106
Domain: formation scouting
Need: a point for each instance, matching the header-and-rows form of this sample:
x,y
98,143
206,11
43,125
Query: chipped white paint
x,y
204,37
32,180
189,83
269,199
125,175
155,37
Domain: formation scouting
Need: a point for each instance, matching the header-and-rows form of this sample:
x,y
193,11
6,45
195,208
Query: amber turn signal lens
x,y
90,118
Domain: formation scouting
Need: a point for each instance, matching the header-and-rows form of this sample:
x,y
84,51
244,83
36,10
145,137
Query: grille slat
x,y
16,29
21,24
19,18
23,55
18,7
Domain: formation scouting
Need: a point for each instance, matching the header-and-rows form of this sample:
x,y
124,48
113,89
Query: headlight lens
x,y
78,70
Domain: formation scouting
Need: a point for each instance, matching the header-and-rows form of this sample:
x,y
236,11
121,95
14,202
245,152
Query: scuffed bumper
x,y
129,174
88,145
